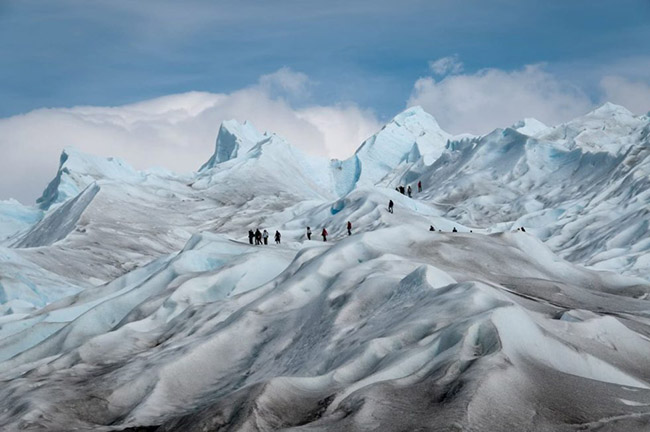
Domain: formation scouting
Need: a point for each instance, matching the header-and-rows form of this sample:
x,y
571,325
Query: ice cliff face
x,y
132,300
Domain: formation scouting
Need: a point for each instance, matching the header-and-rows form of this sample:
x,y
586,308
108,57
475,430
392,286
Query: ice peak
x,y
233,140
609,109
415,114
529,126
78,169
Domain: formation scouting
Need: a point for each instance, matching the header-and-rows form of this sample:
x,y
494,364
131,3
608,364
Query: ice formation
x,y
133,301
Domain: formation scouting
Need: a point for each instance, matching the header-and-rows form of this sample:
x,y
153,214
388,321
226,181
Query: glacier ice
x,y
132,300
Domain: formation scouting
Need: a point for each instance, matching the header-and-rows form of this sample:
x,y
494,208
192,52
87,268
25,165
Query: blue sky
x,y
77,52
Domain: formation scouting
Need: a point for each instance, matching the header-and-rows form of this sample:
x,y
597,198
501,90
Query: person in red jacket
x,y
349,228
324,234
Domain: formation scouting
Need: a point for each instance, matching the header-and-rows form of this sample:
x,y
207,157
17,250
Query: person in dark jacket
x,y
409,191
308,233
324,234
349,228
251,236
277,237
258,237
401,190
420,186
390,206
431,228
454,230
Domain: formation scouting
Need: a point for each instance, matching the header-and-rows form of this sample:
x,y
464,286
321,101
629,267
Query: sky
x,y
150,81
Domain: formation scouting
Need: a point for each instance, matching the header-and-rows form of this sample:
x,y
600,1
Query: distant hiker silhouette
x,y
409,191
454,230
401,190
308,233
431,228
277,237
324,234
266,237
419,186
251,236
258,237
390,206
523,229
349,228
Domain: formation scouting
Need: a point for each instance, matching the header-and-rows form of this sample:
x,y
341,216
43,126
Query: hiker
x,y
409,191
401,190
454,230
277,237
266,237
390,206
308,233
431,228
251,236
324,234
420,186
522,229
258,237
349,228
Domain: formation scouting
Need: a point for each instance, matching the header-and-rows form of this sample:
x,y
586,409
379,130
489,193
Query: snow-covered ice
x,y
132,300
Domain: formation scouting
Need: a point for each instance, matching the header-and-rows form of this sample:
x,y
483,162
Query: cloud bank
x,y
481,101
177,132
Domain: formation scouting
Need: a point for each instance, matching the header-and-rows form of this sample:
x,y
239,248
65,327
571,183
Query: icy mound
x,y
395,325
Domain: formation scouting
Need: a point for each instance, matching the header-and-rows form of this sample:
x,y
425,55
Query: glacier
x,y
132,300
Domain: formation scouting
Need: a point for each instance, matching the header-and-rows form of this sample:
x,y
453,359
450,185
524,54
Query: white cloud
x,y
491,98
446,66
286,80
177,131
633,95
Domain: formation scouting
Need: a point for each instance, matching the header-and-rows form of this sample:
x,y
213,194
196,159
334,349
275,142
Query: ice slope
x,y
393,328
134,301
582,198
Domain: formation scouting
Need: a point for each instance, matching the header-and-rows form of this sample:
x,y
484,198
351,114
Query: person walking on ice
x,y
420,186
258,237
308,233
409,191
349,228
390,206
277,237
251,236
266,237
324,234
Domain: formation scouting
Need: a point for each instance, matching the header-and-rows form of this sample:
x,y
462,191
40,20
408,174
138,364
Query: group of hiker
x,y
404,191
408,191
262,237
